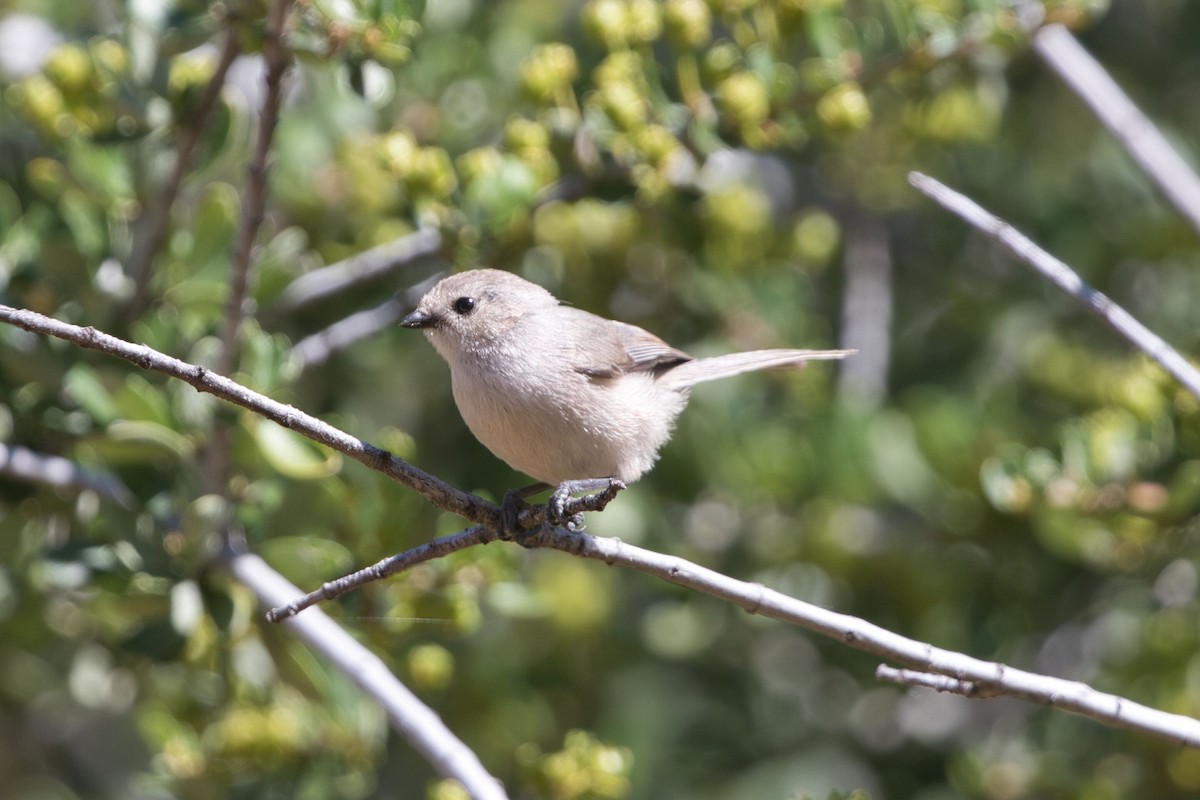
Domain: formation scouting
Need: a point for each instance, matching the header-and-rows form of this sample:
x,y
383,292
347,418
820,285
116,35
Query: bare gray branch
x,y
316,348
360,268
24,464
1063,277
949,669
1137,134
254,203
151,229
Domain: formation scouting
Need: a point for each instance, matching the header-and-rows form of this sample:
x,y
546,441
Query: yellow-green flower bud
x,y
398,150
651,184
430,666
644,20
816,237
110,55
41,101
188,73
608,21
70,68
957,113
433,173
550,69
624,105
743,96
689,22
655,143
720,60
480,161
48,177
541,163
525,134
623,67
844,108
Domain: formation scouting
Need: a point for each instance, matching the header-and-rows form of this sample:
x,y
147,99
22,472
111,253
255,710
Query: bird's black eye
x,y
464,305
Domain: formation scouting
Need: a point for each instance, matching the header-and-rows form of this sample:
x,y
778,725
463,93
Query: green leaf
x,y
293,455
138,399
131,442
85,388
102,172
307,560
85,222
215,222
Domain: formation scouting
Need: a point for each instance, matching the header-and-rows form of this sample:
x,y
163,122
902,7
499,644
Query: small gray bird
x,y
572,399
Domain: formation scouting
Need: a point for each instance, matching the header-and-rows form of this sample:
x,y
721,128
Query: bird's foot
x,y
558,507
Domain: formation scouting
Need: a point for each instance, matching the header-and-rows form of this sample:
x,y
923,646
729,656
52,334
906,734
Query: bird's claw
x,y
557,506
556,509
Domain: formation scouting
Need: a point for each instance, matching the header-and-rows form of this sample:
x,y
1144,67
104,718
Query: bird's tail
x,y
689,373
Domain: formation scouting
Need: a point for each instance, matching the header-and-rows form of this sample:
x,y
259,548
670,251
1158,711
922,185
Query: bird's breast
x,y
556,424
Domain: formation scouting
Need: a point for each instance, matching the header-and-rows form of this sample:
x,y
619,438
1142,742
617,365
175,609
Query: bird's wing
x,y
608,349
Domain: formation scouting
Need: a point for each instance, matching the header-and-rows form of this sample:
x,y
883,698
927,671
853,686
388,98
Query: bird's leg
x,y
512,506
556,507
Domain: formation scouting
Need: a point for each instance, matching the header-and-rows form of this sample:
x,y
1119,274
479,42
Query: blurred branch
x,y
277,60
754,598
152,226
1063,277
946,668
359,268
1148,147
315,349
255,195
415,721
23,464
866,313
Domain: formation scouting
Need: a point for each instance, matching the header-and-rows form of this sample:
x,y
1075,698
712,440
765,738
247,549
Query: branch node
x,y
760,590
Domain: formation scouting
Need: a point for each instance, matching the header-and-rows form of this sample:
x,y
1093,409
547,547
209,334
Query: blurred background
x,y
995,473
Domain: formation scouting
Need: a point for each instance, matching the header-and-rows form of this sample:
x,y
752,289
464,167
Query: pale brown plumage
x,y
559,393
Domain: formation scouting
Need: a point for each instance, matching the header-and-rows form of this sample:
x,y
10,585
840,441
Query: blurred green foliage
x,y
1025,488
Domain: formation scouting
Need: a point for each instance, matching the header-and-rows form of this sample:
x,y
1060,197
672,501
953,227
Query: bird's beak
x,y
418,319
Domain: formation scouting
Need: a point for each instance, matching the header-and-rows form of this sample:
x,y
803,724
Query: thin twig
x,y
435,548
989,678
1139,136
203,379
414,720
24,464
531,520
1063,277
152,226
254,203
359,268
